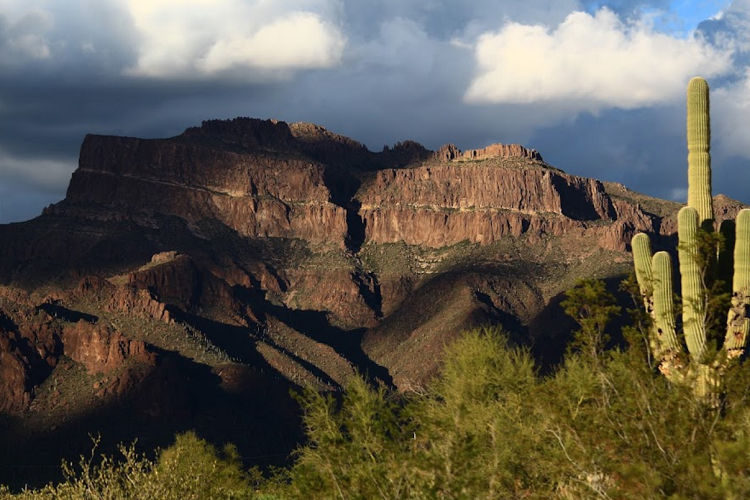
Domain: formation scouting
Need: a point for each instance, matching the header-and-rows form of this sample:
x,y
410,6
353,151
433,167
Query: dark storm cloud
x,y
643,149
44,115
402,74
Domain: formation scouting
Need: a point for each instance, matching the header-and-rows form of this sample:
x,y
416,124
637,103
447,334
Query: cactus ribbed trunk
x,y
699,157
693,293
644,275
664,321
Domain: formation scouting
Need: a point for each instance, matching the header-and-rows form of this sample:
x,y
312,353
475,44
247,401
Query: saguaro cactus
x,y
654,274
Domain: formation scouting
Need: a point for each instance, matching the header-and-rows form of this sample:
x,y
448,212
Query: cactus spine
x,y
697,264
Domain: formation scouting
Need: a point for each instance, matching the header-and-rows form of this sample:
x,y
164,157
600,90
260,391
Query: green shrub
x,y
190,469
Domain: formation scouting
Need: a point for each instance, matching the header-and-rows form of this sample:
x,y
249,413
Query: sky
x,y
597,86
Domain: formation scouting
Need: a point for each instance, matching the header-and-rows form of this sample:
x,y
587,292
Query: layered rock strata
x,y
446,203
254,191
268,179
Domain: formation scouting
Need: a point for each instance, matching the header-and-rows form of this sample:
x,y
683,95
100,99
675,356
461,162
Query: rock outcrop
x,y
449,152
102,350
29,348
477,187
15,376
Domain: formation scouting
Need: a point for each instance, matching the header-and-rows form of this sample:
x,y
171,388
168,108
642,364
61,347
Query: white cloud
x,y
302,40
589,63
198,38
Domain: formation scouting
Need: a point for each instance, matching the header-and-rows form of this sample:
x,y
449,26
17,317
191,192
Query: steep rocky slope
x,y
244,257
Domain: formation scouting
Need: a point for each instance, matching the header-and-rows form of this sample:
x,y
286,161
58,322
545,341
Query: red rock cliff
x,y
243,182
445,203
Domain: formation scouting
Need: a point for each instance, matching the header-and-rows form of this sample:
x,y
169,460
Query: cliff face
x,y
444,204
261,178
243,185
271,180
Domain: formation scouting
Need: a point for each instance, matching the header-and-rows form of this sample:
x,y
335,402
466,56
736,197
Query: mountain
x,y
190,282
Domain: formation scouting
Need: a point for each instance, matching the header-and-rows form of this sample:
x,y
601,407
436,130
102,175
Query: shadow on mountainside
x,y
552,330
343,186
346,343
240,344
261,419
317,326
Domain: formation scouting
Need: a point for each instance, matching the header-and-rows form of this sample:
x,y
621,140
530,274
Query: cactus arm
x,y
738,324
699,157
664,320
641,245
693,292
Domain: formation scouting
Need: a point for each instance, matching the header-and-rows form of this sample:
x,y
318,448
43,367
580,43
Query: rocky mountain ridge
x,y
270,180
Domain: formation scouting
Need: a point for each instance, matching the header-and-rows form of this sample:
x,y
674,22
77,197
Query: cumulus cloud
x,y
588,63
300,41
194,38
